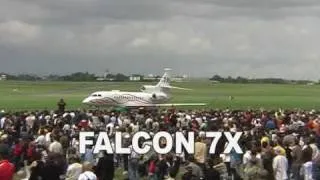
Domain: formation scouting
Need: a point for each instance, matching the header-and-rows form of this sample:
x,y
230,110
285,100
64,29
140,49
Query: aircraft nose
x,y
86,101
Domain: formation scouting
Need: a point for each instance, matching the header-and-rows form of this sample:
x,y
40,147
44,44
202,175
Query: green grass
x,y
16,95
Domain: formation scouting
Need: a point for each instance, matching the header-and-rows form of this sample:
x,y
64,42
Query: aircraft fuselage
x,y
123,98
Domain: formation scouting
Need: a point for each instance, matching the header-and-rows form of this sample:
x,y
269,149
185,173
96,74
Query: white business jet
x,y
150,96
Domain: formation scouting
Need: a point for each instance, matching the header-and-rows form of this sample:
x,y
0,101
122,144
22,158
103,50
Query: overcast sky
x,y
251,38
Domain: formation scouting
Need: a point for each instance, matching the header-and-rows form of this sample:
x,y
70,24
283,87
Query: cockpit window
x,y
95,95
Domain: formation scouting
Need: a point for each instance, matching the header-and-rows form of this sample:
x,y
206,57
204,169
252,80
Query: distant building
x,y
151,77
147,78
179,78
135,78
3,77
105,79
215,82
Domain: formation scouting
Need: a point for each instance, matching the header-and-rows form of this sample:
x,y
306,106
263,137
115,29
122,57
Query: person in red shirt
x,y
152,168
6,168
83,123
17,152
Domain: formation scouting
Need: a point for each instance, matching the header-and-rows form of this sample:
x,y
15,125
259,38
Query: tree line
x,y
85,76
243,80
77,76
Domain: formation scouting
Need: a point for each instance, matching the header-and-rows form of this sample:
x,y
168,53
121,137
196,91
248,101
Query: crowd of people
x,y
279,145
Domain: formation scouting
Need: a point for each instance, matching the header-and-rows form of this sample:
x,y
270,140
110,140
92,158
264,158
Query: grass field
x,y
16,95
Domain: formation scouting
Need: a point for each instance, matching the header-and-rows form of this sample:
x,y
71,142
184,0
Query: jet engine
x,y
148,88
159,96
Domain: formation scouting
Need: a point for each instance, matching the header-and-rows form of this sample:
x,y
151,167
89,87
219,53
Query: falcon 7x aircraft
x,y
150,96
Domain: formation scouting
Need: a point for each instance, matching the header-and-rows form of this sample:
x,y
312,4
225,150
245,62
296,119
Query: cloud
x,y
140,42
16,31
261,4
200,38
71,12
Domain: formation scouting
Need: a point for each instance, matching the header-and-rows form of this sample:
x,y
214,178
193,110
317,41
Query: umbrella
x,y
121,109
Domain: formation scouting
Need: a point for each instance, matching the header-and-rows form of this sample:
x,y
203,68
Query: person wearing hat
x,y
265,139
279,147
6,168
280,165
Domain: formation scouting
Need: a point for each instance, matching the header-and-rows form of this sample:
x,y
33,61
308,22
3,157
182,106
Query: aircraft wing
x,y
174,87
182,104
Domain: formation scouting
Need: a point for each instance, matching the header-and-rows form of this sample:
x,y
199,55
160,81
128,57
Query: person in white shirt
x,y
30,121
126,121
87,172
2,122
314,147
41,139
133,165
48,137
250,154
155,126
56,146
149,122
110,128
135,127
66,127
306,169
280,166
119,121
96,121
113,119
74,169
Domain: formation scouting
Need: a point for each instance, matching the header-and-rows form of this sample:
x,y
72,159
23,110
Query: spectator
x,y
296,160
55,146
280,165
259,144
200,155
211,173
306,169
133,165
7,169
74,169
37,168
254,170
105,167
41,139
61,106
87,172
195,169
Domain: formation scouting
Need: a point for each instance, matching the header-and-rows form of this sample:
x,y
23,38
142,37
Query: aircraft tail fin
x,y
164,82
165,79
